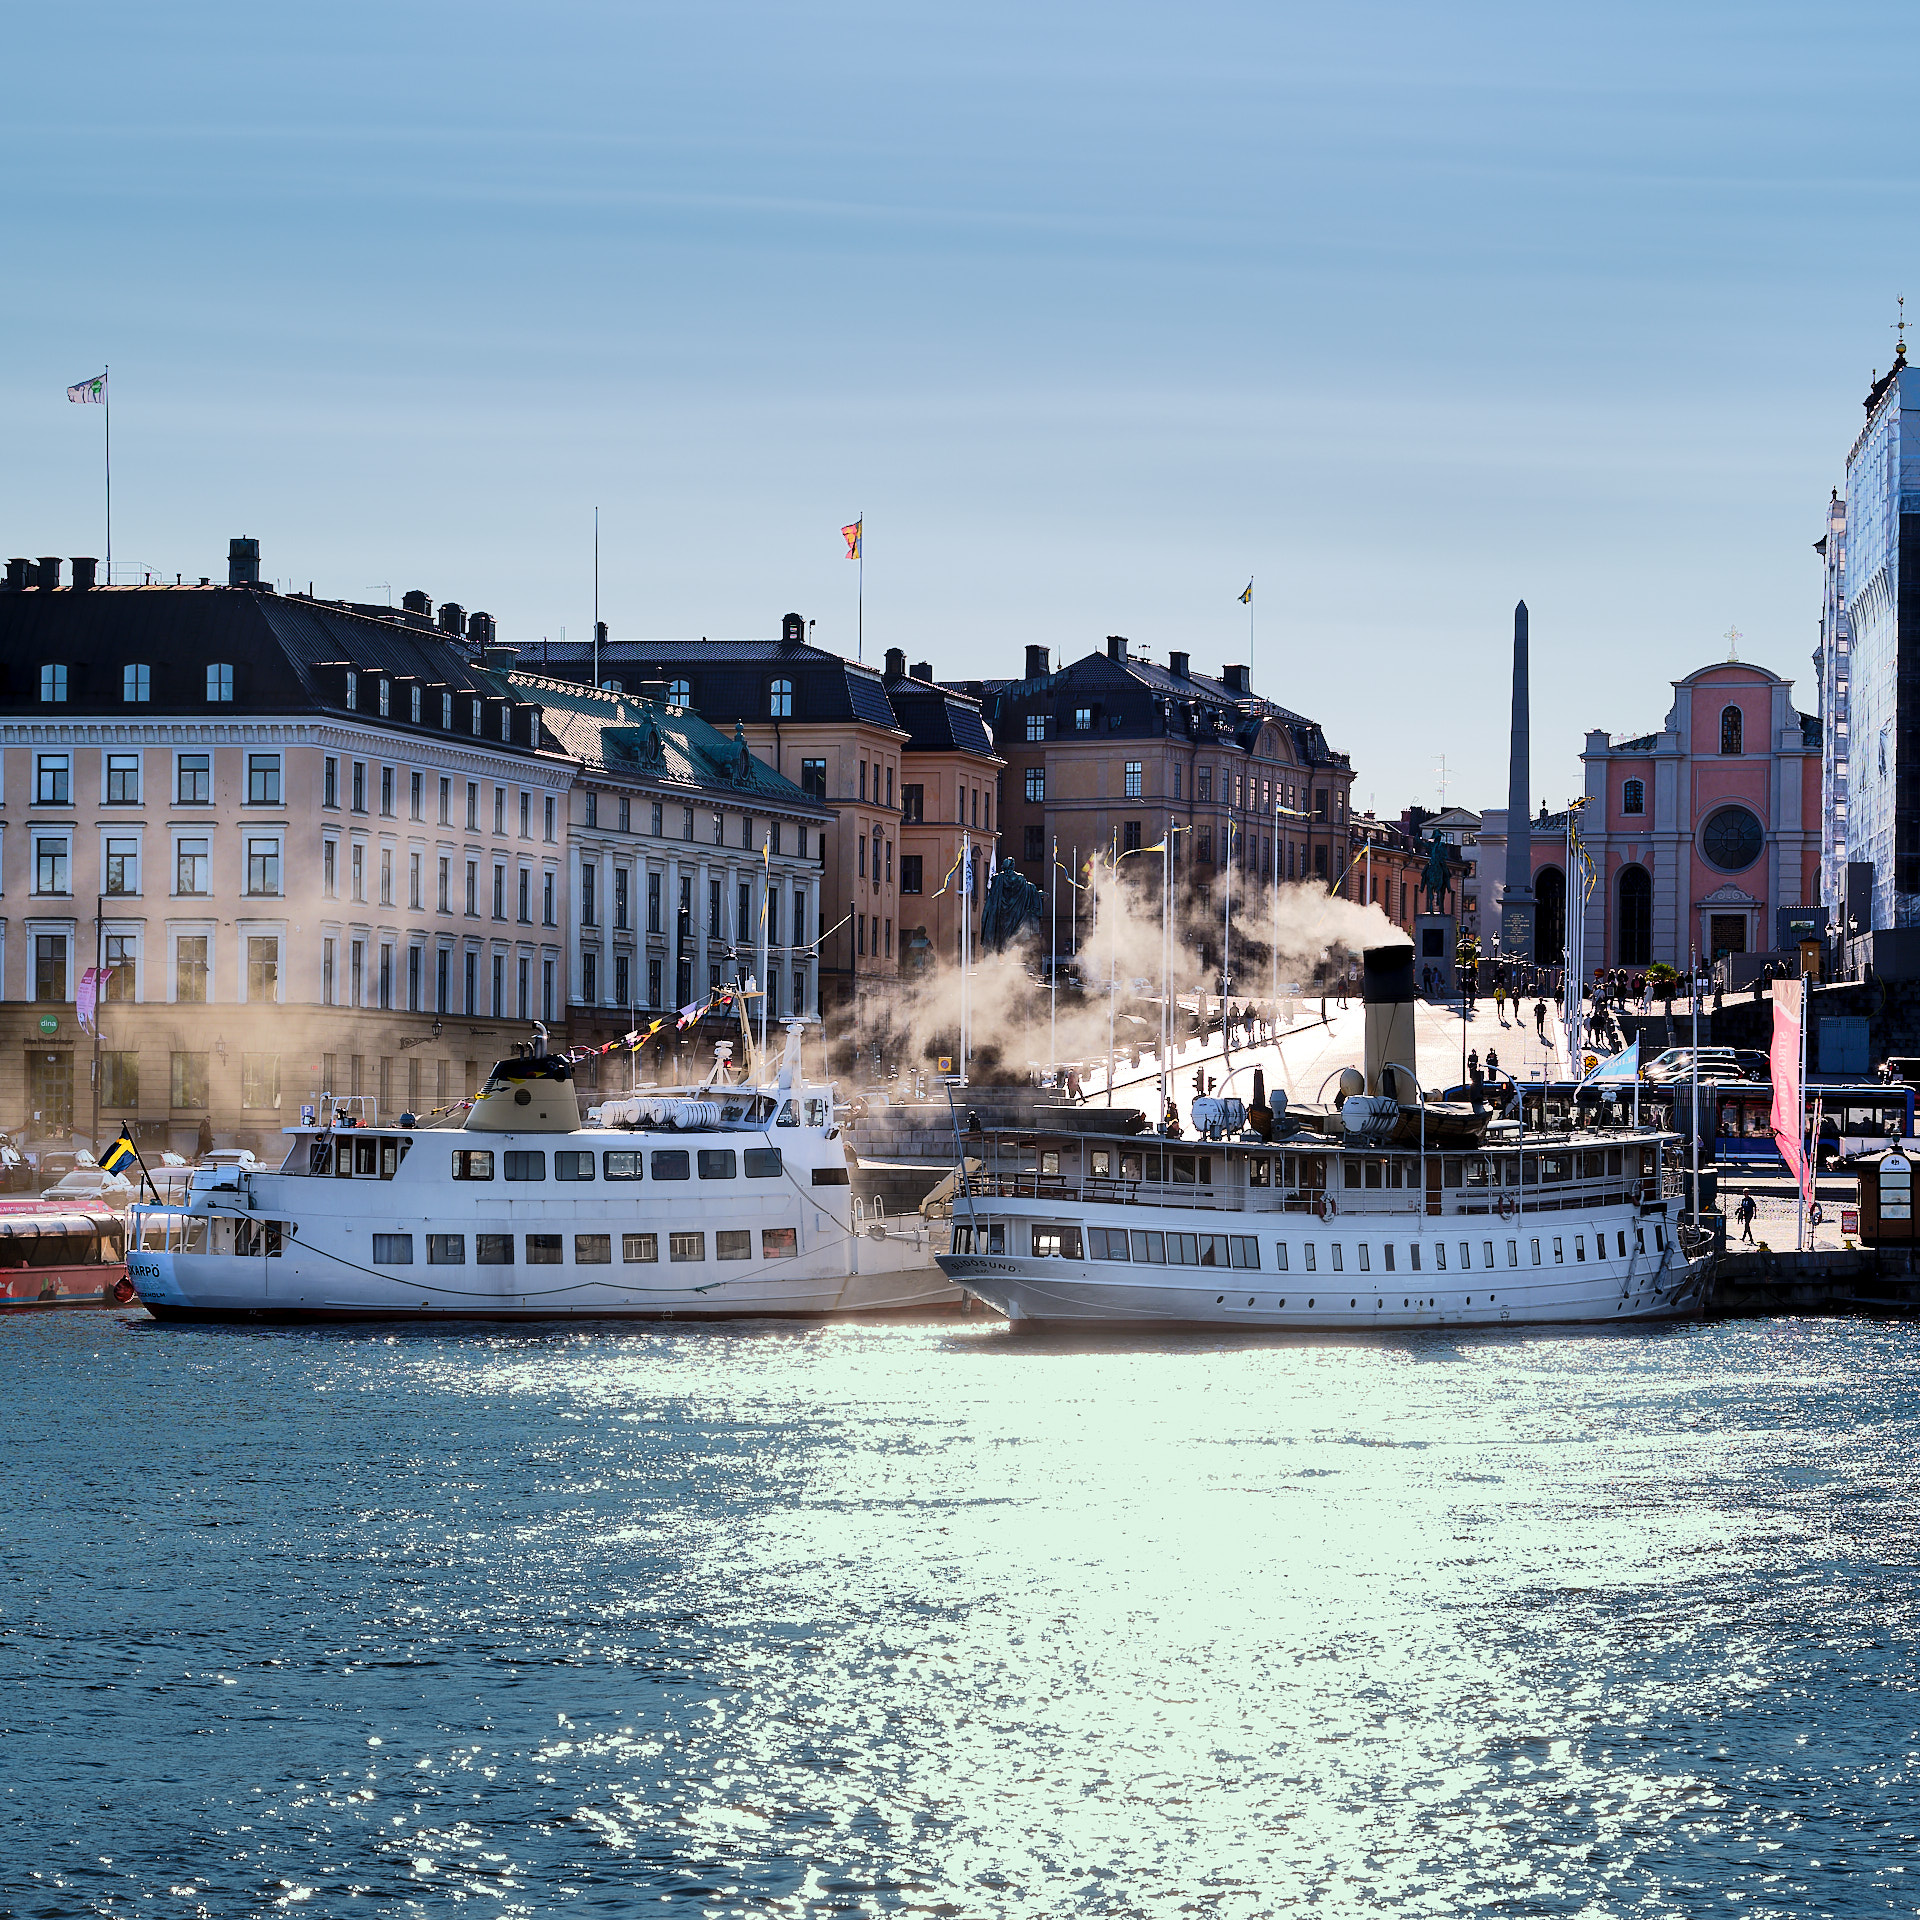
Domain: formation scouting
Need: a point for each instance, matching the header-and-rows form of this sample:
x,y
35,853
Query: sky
x,y
1095,313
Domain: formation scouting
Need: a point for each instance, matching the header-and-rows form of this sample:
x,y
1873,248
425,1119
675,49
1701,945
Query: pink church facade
x,y
1702,833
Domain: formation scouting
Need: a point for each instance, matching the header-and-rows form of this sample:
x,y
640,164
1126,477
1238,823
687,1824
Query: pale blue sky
x,y
1093,311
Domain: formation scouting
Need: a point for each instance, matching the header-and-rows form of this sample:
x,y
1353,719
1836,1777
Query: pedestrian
x,y
1540,1019
1744,1213
1493,1064
204,1144
1500,1000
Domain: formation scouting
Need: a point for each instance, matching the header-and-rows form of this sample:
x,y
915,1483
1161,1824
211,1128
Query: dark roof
x,y
649,740
937,719
729,679
287,652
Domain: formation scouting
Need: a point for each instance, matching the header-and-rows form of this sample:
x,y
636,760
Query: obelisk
x,y
1516,902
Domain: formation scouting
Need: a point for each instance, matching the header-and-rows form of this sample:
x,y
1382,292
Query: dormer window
x,y
780,700
53,684
353,689
385,697
219,681
679,693
414,705
446,711
475,716
1730,728
136,683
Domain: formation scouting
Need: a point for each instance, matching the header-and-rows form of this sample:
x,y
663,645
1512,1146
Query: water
x,y
928,1619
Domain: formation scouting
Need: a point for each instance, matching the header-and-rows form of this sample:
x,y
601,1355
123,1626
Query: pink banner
x,y
1789,1099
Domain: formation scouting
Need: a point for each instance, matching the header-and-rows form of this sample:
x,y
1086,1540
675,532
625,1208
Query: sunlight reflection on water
x,y
927,1617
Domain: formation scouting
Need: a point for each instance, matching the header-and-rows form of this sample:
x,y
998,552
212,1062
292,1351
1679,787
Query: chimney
x,y
416,602
83,572
896,663
47,572
1037,668
1116,646
17,575
1177,665
793,630
1386,991
453,618
243,563
1239,681
923,669
480,629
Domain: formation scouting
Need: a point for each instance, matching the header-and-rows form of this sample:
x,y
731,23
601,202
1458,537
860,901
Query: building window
x,y
330,782
413,880
52,780
192,864
1036,848
813,780
414,797
1083,719
1036,726
190,969
592,803
53,684
263,866
1730,730
1130,836
263,970
1036,783
260,1085
911,869
473,715
50,966
122,962
913,803
194,780
120,1079
123,779
136,683
588,874
359,786
1633,797
1133,780
589,978
188,1079
621,887
415,706
50,864
123,866
679,693
386,792
220,681
1203,784
780,700
263,779
357,868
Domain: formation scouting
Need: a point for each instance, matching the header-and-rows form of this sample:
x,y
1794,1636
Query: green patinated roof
x,y
648,740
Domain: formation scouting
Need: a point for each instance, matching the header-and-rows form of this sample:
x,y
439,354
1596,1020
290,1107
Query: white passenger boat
x,y
718,1201
1383,1211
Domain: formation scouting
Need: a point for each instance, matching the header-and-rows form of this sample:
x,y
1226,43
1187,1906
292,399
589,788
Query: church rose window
x,y
1732,839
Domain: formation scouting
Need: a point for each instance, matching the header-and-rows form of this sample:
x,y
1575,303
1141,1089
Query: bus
x,y
1853,1120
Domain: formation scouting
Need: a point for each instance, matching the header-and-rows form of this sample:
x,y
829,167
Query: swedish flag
x,y
118,1155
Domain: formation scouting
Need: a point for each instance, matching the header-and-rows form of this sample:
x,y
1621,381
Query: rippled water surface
x,y
933,1619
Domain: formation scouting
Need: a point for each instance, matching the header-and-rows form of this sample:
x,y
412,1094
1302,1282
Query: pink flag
x,y
87,997
1789,1100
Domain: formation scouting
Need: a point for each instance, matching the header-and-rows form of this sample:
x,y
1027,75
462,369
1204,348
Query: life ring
x,y
122,1292
1326,1206
1509,1206
1815,1215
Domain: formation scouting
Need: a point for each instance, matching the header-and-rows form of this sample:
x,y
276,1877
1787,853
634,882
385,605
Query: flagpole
x,y
596,599
1053,970
860,615
99,949
106,400
766,898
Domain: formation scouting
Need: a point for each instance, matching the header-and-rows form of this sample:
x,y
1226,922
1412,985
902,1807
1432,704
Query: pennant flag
x,y
118,1155
90,393
1246,599
1622,1066
86,999
851,535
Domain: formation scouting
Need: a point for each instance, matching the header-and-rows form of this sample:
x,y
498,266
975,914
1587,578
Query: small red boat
x,y
62,1256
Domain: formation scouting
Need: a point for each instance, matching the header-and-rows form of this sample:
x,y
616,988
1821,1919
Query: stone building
x,y
829,725
318,848
1705,836
1104,754
683,848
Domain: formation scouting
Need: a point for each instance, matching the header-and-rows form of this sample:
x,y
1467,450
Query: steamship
x,y
717,1201
1385,1209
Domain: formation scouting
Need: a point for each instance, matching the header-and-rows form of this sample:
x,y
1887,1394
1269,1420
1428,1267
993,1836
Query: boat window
x,y
1559,1252
1366,1259
1132,1167
1450,1171
761,1163
996,1236
686,1247
493,1249
1486,1253
672,1163
1466,1255
1556,1166
1536,1253
572,1164
365,1158
962,1240
624,1165
718,1163
1513,1253
319,1156
543,1249
779,1243
194,1240
1280,1255
1439,1256
733,1243
392,1152
1106,1243
592,1249
1580,1246
446,1249
1613,1161
1660,1237
1376,1173
1101,1161
1056,1243
1311,1259
787,1117
471,1165
1339,1257
343,1159
1387,1249
1413,1256
641,1249
1623,1243
1183,1169
1351,1172
1259,1170
1050,1160
1150,1248
525,1163
822,1176
390,1249
1477,1171
1245,1250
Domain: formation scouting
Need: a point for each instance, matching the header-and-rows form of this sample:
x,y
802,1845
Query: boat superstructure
x,y
716,1201
1382,1211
